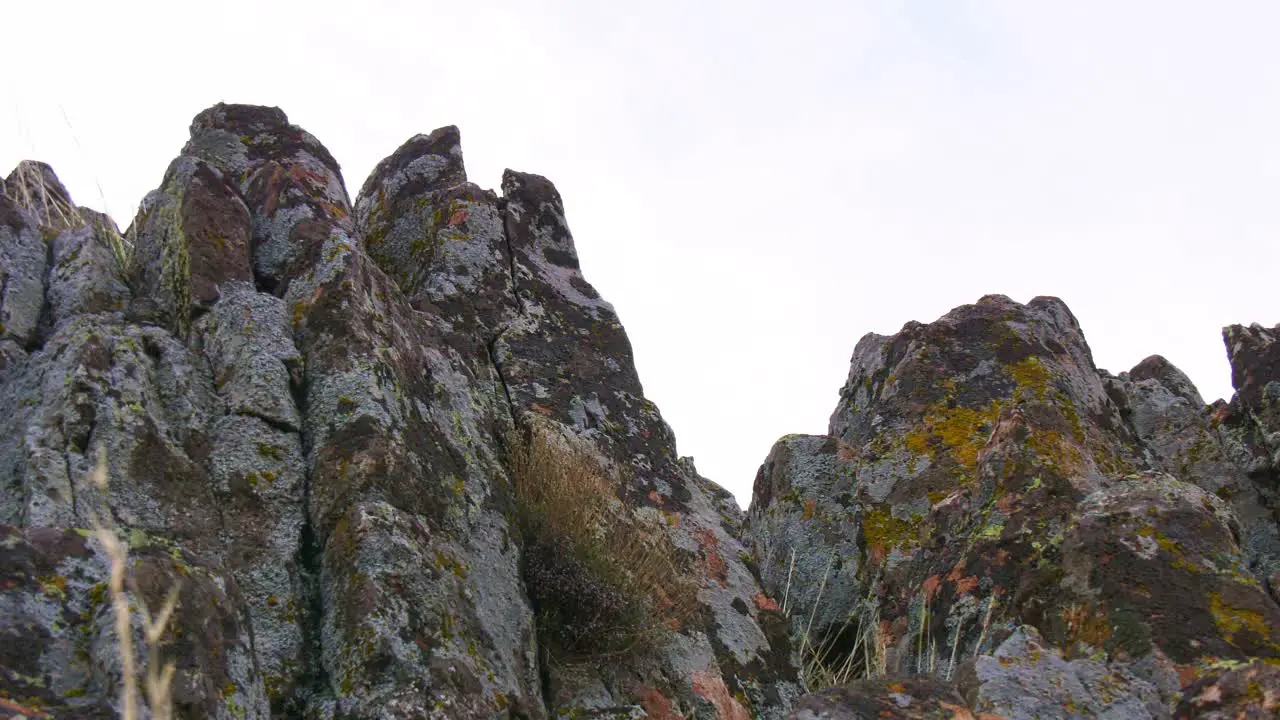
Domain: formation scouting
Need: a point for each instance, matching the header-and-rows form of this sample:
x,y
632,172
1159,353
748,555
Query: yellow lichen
x,y
1232,620
1031,376
885,532
958,430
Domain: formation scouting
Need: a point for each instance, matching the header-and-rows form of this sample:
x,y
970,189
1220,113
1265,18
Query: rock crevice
x,y
307,401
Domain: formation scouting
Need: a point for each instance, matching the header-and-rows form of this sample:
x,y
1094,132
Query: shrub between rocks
x,y
602,581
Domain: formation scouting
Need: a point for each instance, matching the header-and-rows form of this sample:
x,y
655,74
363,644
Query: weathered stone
x,y
805,475
1153,562
1247,693
34,186
1027,678
60,654
258,473
137,393
566,357
23,261
957,455
906,698
191,236
399,429
87,270
982,478
1180,436
248,341
291,184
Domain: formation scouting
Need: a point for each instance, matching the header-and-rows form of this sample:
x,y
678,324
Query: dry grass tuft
x,y
858,648
159,678
603,582
31,185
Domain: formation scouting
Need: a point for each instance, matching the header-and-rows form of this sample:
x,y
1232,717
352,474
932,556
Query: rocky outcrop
x,y
991,510
305,406
314,415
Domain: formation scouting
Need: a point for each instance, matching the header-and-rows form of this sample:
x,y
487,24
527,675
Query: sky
x,y
753,185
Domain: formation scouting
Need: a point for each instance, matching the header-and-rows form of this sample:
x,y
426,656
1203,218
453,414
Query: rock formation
x,y
1033,535
312,416
305,405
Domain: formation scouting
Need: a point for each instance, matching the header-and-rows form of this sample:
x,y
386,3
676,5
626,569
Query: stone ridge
x,y
303,403
992,513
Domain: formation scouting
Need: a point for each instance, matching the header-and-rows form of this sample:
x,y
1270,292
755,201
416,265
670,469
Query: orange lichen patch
x,y
957,572
764,602
655,704
711,686
1085,626
711,557
1211,694
810,506
959,712
656,497
458,217
966,585
877,554
1187,674
931,585
273,187
304,175
1006,502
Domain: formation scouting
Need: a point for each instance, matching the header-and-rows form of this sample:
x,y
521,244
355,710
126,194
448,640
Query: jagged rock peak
x,y
1255,359
1157,368
433,160
992,511
312,408
34,186
264,132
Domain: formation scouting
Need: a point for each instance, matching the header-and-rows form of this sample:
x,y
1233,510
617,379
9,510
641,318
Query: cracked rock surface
x,y
304,403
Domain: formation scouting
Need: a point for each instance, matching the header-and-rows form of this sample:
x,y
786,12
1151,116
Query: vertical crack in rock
x,y
503,209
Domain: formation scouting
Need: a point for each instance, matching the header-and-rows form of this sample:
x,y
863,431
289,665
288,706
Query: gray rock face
x,y
22,272
1182,437
312,410
1027,678
990,509
60,655
309,405
191,236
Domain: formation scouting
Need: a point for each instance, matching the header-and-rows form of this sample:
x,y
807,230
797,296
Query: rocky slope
x,y
305,405
312,413
1029,536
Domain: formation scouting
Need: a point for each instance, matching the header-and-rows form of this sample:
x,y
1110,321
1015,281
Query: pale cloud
x,y
754,185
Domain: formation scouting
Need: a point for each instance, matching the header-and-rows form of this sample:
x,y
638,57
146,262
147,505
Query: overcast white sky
x,y
753,185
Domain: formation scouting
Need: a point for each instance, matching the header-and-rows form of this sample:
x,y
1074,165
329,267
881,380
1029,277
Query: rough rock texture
x,y
990,508
304,406
906,698
1026,678
1247,693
